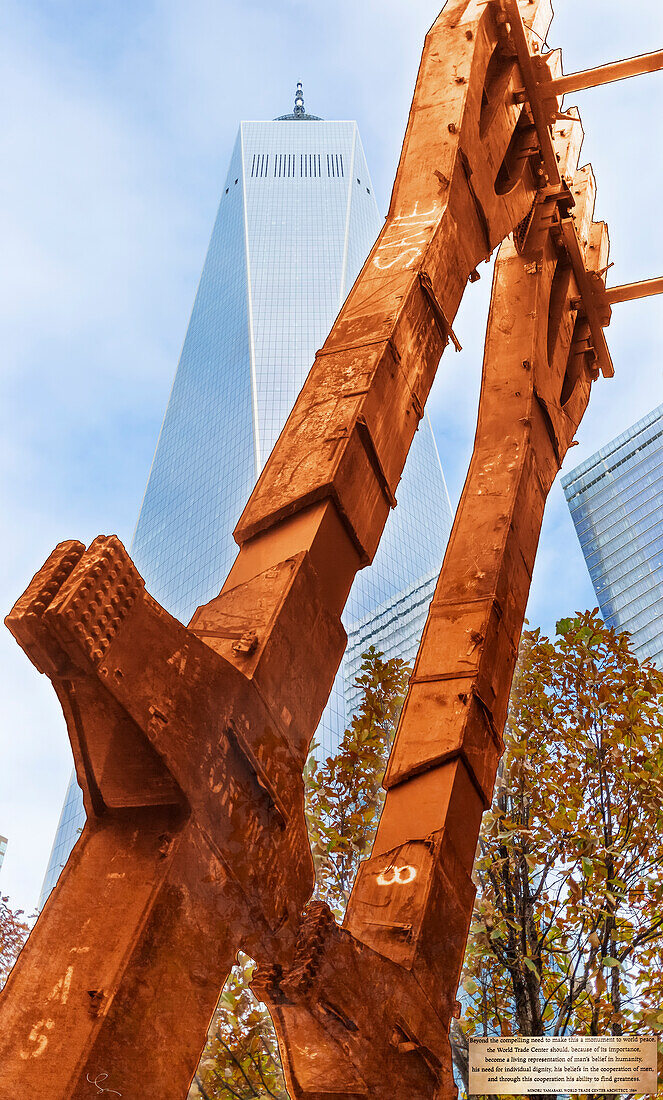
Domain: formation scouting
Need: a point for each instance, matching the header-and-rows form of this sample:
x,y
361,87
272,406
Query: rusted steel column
x,y
367,1006
189,743
195,842
469,171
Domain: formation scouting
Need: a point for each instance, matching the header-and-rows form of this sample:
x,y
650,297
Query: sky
x,y
119,121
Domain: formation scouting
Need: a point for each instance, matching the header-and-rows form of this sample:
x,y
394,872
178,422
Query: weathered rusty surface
x,y
375,997
195,843
189,742
170,743
331,1010
468,173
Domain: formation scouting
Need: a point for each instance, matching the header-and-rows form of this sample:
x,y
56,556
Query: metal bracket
x,y
438,312
532,88
593,308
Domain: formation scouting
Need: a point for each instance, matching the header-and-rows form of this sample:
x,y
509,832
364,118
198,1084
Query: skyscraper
x,y
296,221
3,848
615,501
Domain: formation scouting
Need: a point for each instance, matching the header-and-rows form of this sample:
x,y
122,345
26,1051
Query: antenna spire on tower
x,y
299,101
299,111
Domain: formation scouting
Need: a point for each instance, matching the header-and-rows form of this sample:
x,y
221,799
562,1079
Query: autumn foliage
x,y
567,931
241,1057
13,934
567,934
344,795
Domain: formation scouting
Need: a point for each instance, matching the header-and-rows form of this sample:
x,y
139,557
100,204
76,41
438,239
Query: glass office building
x,y
3,848
296,221
615,501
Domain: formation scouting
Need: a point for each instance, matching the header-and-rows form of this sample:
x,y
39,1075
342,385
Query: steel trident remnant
x,y
190,742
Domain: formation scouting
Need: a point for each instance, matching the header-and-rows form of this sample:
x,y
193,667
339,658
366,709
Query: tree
x,y
567,932
241,1057
343,796
343,803
13,934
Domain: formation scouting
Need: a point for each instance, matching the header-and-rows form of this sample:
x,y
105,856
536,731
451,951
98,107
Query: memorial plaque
x,y
564,1064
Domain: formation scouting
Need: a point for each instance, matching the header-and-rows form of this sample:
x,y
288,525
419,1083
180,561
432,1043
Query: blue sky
x,y
119,120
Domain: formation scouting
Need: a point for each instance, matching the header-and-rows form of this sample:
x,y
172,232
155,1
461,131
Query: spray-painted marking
x,y
178,658
407,234
308,1052
397,876
38,1036
416,213
412,254
60,991
416,238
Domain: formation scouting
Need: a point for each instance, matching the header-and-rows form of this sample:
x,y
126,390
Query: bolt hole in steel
x,y
518,152
576,364
498,75
558,306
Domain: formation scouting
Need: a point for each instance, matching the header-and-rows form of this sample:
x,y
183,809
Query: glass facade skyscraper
x,y
296,221
615,501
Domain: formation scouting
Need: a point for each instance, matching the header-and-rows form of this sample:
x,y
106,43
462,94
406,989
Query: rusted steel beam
x,y
469,171
365,1010
189,743
606,74
628,292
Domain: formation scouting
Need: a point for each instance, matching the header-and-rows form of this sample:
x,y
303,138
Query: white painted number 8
x,y
397,875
